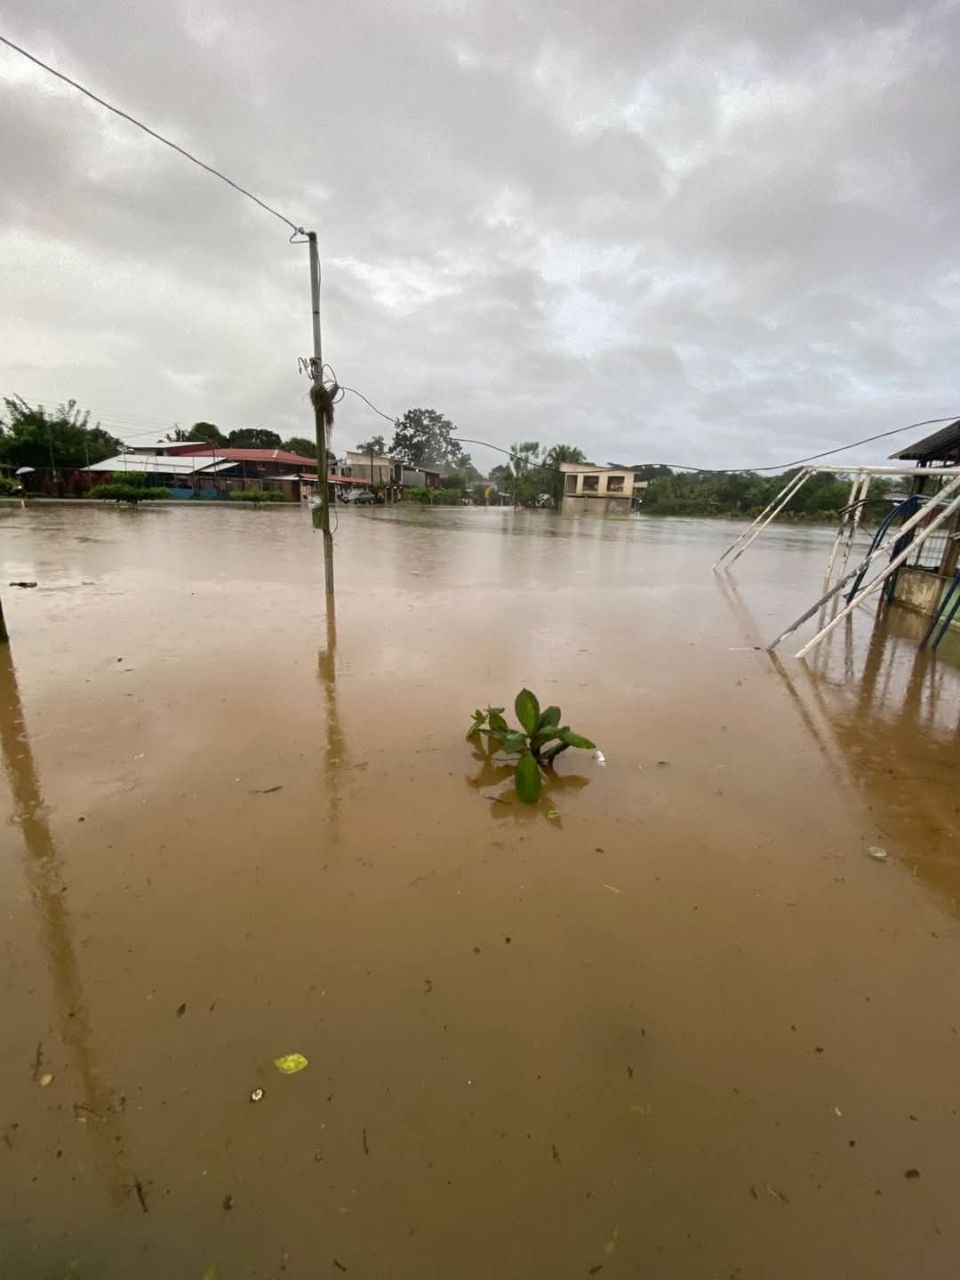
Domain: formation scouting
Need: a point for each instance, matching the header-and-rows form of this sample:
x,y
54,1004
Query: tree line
x,y
63,439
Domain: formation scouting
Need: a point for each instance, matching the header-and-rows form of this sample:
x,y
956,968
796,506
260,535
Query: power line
x,y
294,227
353,391
785,466
718,471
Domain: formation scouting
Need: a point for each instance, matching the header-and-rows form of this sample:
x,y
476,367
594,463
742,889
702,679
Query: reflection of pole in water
x,y
44,874
335,745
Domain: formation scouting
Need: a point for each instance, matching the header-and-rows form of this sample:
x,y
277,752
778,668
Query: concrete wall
x,y
922,591
360,469
614,506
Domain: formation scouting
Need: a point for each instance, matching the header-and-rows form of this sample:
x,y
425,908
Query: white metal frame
x,y
846,533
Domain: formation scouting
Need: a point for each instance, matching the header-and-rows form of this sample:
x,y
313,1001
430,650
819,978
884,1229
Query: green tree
x,y
254,438
300,444
525,471
424,438
206,433
375,445
32,436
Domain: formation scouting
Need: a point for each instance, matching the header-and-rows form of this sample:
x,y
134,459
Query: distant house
x,y
377,471
416,477
599,490
192,470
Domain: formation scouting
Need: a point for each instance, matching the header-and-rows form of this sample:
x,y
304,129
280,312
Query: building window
x,y
569,484
591,484
615,484
637,478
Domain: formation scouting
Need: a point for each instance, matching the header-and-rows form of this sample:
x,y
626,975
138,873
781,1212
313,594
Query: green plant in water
x,y
538,742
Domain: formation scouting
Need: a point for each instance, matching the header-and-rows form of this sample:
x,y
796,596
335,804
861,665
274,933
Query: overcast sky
x,y
718,233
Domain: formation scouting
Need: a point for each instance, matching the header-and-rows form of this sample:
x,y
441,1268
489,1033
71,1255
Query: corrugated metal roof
x,y
942,446
151,464
249,455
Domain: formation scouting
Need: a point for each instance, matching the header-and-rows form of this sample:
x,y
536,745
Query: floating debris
x,y
290,1063
45,1080
141,1194
256,1095
877,853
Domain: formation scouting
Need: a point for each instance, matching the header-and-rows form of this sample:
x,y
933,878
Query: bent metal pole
x,y
893,536
786,493
881,578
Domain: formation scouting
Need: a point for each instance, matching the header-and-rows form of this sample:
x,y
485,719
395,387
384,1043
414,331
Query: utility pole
x,y
323,416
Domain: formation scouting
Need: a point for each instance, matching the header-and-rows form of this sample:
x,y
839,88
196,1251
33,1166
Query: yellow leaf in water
x,y
290,1063
211,1272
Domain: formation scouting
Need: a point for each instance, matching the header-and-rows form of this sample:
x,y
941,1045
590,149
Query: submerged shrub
x,y
537,743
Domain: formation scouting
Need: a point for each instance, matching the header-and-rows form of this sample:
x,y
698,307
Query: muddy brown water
x,y
686,1027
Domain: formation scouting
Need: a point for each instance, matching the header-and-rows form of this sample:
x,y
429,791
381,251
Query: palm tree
x,y
560,453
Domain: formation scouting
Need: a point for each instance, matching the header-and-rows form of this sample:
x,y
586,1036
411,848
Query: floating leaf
x,y
553,815
527,779
290,1063
528,710
211,1272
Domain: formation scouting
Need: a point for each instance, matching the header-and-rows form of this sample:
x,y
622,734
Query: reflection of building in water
x,y
888,718
96,1106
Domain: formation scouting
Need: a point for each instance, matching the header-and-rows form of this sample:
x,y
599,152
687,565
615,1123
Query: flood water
x,y
672,1023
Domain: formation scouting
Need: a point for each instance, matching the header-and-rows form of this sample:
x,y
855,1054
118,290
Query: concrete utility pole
x,y
323,416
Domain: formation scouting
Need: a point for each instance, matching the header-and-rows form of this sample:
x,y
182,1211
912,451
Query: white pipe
x,y
773,514
792,485
893,536
889,471
857,517
881,578
841,526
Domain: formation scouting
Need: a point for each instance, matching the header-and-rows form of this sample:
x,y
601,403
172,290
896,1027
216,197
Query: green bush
x,y
8,486
435,497
539,740
132,493
257,495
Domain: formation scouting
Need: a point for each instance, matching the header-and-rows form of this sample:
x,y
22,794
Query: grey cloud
x,y
723,232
